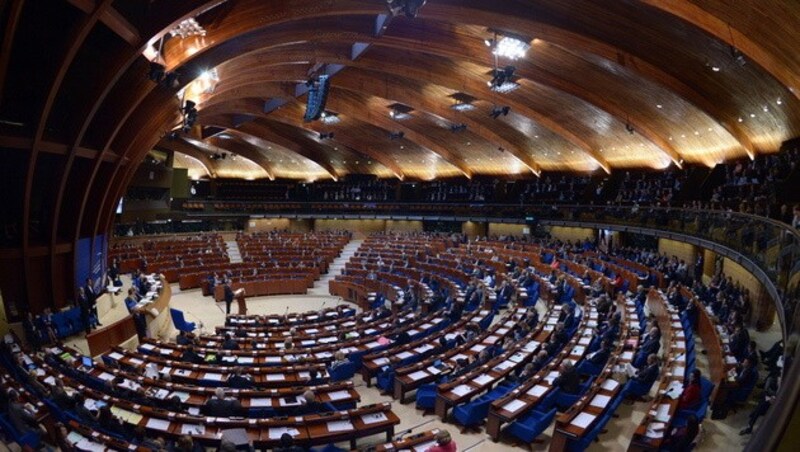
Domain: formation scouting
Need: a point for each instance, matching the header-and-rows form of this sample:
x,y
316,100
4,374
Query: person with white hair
x,y
220,406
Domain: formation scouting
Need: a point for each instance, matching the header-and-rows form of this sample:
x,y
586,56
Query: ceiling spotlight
x,y
399,112
779,101
188,28
497,111
397,135
329,117
659,106
325,136
156,72
458,128
738,56
511,47
629,128
408,7
462,106
502,80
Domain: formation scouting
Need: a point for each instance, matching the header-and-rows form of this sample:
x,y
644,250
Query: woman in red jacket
x,y
444,443
692,392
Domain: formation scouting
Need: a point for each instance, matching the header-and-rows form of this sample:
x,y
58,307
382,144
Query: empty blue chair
x,y
180,323
385,379
426,396
473,413
342,372
531,425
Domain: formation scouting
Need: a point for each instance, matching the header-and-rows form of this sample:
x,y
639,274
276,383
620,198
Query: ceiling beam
x,y
112,19
184,147
235,144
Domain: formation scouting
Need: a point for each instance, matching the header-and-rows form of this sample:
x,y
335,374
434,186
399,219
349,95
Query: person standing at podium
x,y
228,296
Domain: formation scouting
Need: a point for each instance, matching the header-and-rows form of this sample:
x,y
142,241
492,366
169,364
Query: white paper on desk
x,y
272,359
455,358
552,320
191,429
116,356
730,359
462,390
424,348
504,365
147,346
329,339
583,420
609,384
324,355
478,348
373,418
373,344
277,432
105,376
284,402
183,372
483,379
578,350
655,430
537,391
312,331
418,375
662,412
490,340
340,426
531,346
626,356
591,324
502,330
260,402
552,376
548,328
74,437
50,380
246,360
212,377
514,406
338,395
88,445
380,361
275,377
158,424
679,371
517,357
194,411
585,340
228,359
404,355
306,343
433,370
600,401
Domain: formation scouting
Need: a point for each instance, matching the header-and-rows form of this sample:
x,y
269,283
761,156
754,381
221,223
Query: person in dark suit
x,y
539,360
600,357
229,343
191,356
649,374
111,423
747,374
219,406
92,295
771,386
130,300
560,334
228,294
60,397
80,409
312,406
22,420
240,381
568,381
184,338
32,332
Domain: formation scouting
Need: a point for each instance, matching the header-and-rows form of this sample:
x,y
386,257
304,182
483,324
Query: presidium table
x,y
155,306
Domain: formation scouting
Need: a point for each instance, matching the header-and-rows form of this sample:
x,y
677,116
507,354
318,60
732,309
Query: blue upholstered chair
x,y
528,427
342,372
473,413
180,323
426,396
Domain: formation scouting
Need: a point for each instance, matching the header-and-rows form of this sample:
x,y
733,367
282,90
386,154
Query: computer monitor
x,y
87,362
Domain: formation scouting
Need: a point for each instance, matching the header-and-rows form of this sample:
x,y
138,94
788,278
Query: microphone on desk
x,y
323,306
286,312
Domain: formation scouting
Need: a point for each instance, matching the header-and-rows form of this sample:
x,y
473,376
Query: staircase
x,y
234,254
335,269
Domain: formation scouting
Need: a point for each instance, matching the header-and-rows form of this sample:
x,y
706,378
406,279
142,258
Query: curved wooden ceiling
x,y
666,68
